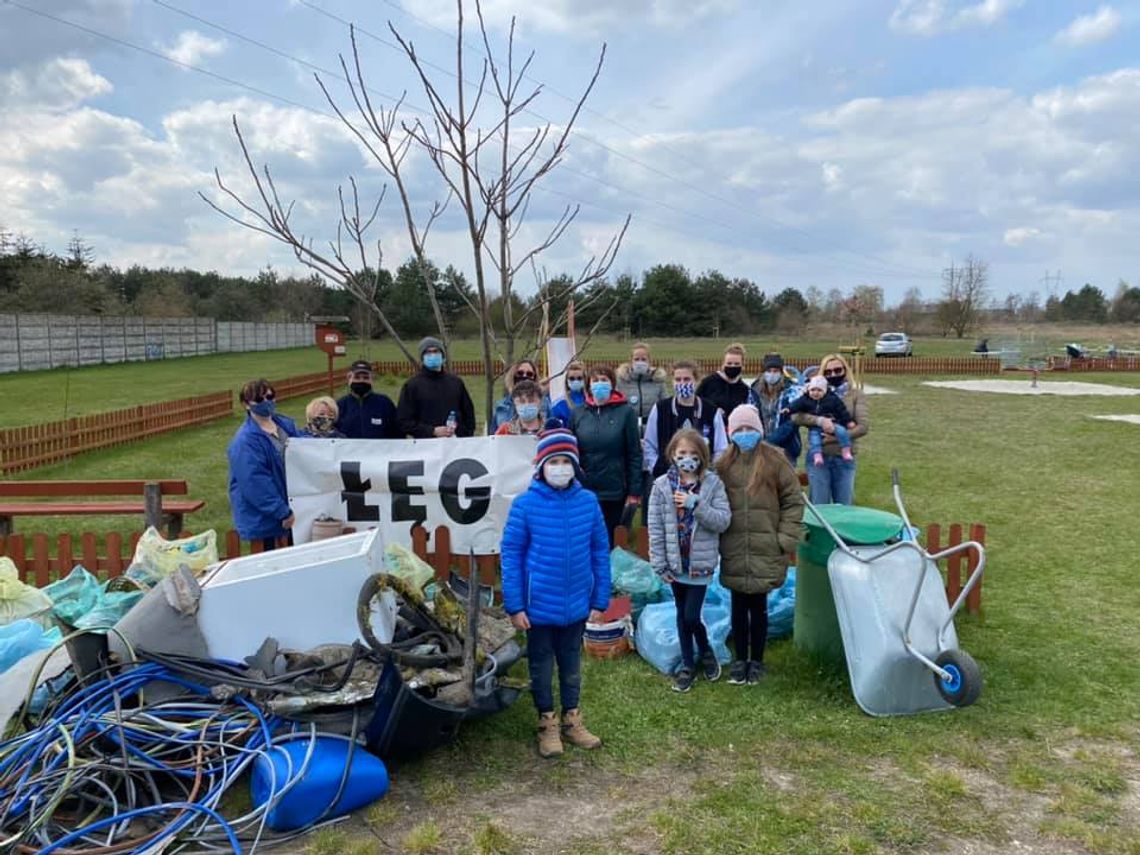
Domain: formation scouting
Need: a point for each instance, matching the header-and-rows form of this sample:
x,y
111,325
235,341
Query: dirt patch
x,y
1026,387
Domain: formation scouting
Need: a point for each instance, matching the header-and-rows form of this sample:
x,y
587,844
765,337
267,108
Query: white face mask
x,y
558,475
640,367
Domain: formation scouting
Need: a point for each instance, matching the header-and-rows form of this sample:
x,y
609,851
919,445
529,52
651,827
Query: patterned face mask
x,y
321,424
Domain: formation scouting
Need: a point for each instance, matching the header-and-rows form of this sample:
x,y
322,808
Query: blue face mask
x,y
265,409
601,390
433,361
577,385
746,440
685,390
527,412
772,377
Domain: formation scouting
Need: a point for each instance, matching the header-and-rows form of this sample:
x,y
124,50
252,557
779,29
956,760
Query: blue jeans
x,y
690,599
815,439
834,481
545,646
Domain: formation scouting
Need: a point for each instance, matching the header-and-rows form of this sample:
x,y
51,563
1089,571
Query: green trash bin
x,y
816,625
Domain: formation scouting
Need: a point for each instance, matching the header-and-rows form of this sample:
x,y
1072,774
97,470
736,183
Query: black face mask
x,y
834,380
360,389
732,372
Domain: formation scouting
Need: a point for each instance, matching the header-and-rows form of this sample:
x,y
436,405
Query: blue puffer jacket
x,y
258,497
555,555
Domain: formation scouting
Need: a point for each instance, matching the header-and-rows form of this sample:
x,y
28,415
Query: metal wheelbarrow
x,y
897,627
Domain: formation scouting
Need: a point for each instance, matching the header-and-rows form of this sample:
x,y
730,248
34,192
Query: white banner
x,y
559,353
464,483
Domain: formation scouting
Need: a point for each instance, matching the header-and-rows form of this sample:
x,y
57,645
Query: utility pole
x,y
1052,283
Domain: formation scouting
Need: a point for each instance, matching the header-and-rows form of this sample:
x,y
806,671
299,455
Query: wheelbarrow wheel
x,y
965,683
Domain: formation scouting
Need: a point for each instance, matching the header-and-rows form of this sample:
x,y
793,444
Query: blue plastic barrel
x,y
307,800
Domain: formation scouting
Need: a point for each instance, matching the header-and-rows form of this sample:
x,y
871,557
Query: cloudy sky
x,y
826,143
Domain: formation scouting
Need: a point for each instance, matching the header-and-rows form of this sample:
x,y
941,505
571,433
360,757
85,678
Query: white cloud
x,y
1020,235
191,47
586,17
1089,29
931,17
59,84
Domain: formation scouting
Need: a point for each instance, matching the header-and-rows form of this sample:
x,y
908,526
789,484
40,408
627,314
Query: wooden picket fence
x,y
1095,363
36,445
112,558
932,365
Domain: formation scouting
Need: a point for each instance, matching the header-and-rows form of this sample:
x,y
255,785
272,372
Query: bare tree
x,y
499,195
964,292
352,260
489,172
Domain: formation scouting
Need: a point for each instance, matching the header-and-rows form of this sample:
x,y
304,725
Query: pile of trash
x,y
126,727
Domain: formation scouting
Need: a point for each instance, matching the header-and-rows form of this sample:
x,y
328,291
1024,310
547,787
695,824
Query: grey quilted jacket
x,y
712,515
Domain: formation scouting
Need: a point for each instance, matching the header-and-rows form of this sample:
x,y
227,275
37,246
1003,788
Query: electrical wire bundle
x,y
106,771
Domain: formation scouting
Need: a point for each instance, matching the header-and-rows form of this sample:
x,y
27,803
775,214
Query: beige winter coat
x,y
765,528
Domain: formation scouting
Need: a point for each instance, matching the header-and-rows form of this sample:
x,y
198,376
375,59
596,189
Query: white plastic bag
x,y
19,601
156,557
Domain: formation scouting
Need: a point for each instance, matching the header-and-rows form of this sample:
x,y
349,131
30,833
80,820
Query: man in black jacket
x,y
363,413
434,402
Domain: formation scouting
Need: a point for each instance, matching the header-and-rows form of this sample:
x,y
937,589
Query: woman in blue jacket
x,y
258,498
556,575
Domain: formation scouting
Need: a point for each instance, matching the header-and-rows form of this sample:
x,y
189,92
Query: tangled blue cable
x,y
104,758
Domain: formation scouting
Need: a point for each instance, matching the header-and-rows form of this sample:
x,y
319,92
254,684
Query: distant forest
x,y
666,300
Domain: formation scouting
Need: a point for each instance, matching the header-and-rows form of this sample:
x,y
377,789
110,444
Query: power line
x,y
338,74
675,152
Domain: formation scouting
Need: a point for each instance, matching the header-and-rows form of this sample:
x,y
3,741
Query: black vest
x,y
702,419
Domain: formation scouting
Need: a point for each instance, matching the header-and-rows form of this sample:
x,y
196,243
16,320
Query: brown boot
x,y
575,732
549,739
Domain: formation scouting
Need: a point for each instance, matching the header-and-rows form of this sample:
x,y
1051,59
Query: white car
x,y
894,344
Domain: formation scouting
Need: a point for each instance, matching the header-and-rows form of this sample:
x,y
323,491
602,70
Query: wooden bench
x,y
150,502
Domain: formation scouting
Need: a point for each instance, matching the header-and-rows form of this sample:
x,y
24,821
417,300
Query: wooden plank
x,y
114,564
441,538
488,569
48,509
643,542
621,537
974,598
40,560
231,545
90,551
64,556
954,564
118,487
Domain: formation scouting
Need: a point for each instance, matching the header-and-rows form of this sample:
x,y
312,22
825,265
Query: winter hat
x,y
773,360
818,382
747,416
554,441
431,341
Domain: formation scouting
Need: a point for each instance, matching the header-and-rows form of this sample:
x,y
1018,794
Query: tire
x,y
966,686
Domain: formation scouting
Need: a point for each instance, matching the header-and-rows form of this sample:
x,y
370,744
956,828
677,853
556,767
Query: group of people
x,y
716,461
433,403
712,467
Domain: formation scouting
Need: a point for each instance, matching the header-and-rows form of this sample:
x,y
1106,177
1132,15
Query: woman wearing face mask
x,y
834,481
556,575
767,512
575,393
606,428
726,388
773,393
320,419
528,420
683,410
258,497
642,384
524,369
688,510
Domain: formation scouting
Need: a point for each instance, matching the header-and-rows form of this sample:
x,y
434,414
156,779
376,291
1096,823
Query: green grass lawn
x,y
42,396
1047,758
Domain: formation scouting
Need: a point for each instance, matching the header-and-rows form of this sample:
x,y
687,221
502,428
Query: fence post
x,y
974,598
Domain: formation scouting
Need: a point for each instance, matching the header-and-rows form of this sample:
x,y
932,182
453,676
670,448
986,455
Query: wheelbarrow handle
x,y
895,482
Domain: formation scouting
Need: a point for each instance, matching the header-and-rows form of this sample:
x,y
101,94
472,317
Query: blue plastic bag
x,y
22,638
80,601
782,607
657,639
630,574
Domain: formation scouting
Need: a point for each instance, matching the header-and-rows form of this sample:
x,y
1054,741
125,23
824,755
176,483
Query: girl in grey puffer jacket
x,y
688,510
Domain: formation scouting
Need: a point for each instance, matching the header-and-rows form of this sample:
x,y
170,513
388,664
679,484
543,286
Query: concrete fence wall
x,y
36,342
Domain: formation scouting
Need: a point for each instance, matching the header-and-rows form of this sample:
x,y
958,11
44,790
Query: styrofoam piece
x,y
303,596
872,599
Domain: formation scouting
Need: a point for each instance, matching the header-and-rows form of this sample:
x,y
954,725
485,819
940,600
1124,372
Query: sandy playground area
x,y
1025,387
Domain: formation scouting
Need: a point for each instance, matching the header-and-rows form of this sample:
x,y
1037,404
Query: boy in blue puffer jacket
x,y
556,575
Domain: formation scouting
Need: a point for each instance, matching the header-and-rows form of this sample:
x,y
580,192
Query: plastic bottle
x,y
452,421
